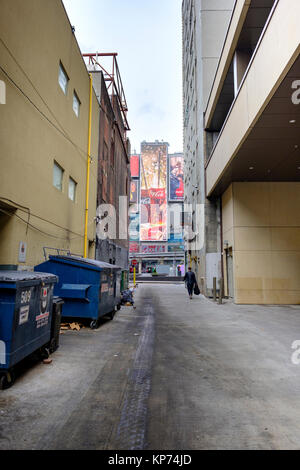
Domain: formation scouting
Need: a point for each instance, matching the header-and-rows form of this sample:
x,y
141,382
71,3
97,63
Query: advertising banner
x,y
154,192
134,229
135,166
176,178
175,238
176,220
175,248
134,247
153,249
134,191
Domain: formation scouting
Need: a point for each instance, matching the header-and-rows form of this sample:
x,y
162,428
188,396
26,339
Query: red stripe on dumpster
x,y
44,315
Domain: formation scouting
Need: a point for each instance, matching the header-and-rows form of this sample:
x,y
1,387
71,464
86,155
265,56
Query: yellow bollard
x,y
134,276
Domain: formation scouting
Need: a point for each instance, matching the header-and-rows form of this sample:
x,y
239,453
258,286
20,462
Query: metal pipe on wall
x,y
88,170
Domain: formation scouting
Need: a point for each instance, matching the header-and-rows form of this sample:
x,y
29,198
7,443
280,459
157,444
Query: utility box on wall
x,y
213,269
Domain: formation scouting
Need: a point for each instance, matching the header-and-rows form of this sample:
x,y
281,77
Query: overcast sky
x,y
147,36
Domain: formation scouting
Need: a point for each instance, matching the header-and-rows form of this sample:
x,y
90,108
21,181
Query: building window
x,y
112,154
105,152
76,104
72,189
58,174
63,79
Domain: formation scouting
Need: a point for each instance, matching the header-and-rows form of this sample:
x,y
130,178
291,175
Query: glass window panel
x,y
76,104
63,79
57,176
72,189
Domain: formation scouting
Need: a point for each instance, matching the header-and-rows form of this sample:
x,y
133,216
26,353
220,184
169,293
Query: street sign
x,y
22,252
134,262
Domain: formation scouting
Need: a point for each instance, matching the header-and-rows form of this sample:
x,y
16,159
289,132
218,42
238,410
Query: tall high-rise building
x,y
241,71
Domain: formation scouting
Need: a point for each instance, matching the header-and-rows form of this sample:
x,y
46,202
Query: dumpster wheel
x,y
94,324
52,346
111,315
44,353
7,380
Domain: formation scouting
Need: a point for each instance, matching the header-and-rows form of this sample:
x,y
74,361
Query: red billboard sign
x,y
134,247
135,166
153,249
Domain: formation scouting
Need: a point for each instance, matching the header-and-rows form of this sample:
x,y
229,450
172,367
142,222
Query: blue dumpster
x,y
25,317
90,289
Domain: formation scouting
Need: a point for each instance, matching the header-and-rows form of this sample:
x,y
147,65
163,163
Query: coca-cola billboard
x,y
153,196
154,192
157,194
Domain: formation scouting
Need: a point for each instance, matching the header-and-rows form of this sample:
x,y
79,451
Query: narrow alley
x,y
170,374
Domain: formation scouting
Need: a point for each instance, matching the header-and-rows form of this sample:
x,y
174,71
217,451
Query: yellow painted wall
x,y
262,223
36,37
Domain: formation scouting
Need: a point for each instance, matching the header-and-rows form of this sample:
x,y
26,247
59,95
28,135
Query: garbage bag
x,y
196,290
127,297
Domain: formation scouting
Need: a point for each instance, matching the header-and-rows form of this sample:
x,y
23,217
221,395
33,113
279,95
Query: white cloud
x,y
147,37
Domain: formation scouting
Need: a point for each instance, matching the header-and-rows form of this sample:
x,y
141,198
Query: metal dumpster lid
x,y
85,261
17,276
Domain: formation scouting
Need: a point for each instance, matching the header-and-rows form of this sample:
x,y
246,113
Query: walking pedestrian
x,y
190,280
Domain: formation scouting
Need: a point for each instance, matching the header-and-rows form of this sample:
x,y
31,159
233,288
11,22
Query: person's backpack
x,y
196,289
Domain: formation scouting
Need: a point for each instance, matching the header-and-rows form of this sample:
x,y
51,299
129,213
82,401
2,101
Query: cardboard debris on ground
x,y
71,326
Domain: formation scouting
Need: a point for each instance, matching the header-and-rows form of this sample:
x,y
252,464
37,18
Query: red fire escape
x,y
113,78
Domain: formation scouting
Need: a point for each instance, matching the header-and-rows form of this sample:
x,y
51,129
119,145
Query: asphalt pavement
x,y
172,374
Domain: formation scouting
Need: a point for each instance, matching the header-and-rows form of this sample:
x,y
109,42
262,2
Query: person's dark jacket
x,y
190,278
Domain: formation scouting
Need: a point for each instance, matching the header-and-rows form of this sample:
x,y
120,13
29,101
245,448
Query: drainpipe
x,y
88,171
222,241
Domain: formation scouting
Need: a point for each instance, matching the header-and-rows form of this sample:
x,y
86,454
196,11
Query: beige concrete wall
x,y
276,53
37,36
227,230
237,19
262,221
215,19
